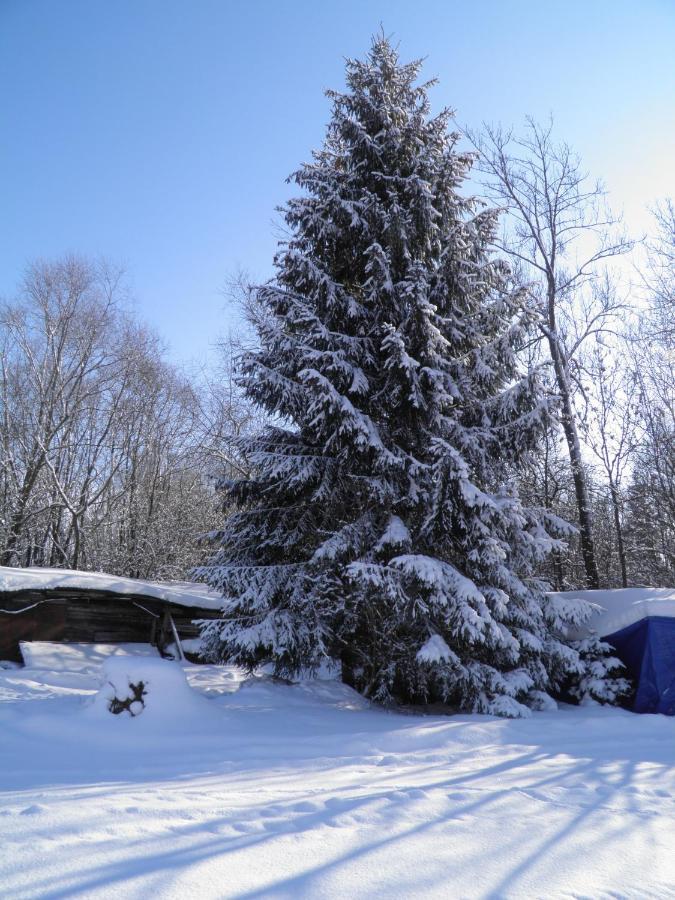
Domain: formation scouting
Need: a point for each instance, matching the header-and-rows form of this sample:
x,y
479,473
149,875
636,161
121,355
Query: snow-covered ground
x,y
271,790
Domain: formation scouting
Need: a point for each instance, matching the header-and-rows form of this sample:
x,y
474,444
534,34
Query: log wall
x,y
91,617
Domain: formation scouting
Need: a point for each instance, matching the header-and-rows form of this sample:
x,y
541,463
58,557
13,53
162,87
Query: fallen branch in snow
x,y
134,705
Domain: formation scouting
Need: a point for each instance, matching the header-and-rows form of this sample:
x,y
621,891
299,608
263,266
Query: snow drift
x,y
154,688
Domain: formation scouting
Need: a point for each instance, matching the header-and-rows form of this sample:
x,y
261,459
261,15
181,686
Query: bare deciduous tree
x,y
609,426
651,498
108,454
559,233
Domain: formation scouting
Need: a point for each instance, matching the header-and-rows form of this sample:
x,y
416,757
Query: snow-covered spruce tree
x,y
379,528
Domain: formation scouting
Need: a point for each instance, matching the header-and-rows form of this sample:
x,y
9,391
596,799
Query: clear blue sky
x,y
159,132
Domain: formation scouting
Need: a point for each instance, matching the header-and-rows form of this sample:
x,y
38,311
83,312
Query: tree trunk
x,y
616,509
576,462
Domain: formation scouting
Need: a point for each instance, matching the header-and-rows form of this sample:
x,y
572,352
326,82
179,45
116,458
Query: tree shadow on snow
x,y
530,774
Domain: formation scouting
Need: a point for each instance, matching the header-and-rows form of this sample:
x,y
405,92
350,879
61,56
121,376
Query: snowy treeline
x,y
381,525
107,450
606,331
620,350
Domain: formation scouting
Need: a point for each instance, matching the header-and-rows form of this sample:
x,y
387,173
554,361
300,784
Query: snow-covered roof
x,y
621,607
183,592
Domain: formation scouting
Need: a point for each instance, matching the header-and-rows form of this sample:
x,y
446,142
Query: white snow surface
x,y
183,592
621,607
248,788
73,657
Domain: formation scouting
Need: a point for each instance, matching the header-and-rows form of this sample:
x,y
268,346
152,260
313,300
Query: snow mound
x,y
155,688
264,692
618,608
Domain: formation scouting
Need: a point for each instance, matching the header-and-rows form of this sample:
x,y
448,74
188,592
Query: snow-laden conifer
x,y
380,526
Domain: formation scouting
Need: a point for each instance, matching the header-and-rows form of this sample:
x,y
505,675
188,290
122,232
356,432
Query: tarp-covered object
x,y
640,624
648,649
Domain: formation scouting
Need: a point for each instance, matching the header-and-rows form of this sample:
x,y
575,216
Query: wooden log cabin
x,y
91,607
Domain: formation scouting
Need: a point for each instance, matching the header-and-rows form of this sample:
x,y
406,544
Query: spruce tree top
x,y
386,288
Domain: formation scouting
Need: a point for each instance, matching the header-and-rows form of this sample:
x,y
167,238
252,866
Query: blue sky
x,y
159,133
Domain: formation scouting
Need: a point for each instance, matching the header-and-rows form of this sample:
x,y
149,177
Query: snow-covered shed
x,y
63,605
640,624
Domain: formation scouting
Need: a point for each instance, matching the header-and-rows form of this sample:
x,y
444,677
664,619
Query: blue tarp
x,y
648,649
